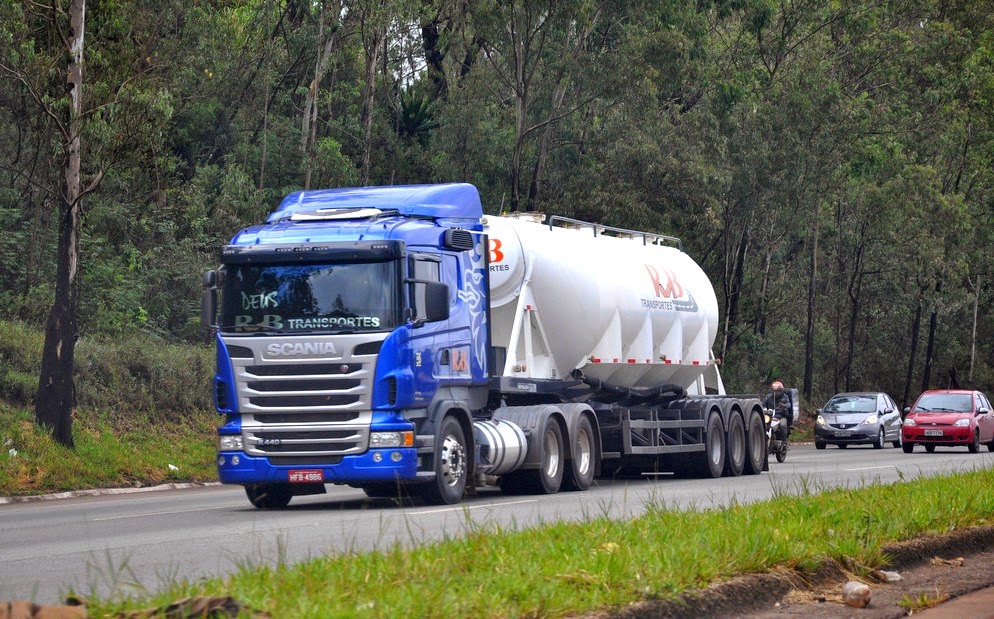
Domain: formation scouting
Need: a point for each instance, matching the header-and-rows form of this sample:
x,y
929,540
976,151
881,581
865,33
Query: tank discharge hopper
x,y
626,308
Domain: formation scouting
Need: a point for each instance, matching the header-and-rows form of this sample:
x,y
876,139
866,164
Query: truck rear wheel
x,y
755,446
711,463
549,476
735,446
582,462
269,496
451,465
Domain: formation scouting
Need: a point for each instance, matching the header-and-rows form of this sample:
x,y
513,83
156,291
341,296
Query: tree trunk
x,y
915,328
735,291
933,323
973,336
373,44
809,338
56,393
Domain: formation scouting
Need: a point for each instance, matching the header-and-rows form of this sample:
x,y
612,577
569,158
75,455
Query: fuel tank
x,y
624,307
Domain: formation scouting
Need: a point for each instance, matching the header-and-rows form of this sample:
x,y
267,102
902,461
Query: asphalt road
x,y
135,543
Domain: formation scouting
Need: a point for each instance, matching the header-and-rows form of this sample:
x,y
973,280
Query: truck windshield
x,y
297,298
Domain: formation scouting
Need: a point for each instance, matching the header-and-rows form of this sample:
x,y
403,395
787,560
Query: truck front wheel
x,y
269,496
451,465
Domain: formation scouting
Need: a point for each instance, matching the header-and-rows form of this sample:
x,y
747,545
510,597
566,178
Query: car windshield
x,y
851,404
944,403
296,298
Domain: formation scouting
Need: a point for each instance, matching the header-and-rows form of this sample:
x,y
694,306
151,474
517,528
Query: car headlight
x,y
229,443
910,422
962,423
820,420
872,419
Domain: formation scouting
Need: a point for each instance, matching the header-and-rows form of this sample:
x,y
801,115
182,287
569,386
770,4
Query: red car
x,y
949,417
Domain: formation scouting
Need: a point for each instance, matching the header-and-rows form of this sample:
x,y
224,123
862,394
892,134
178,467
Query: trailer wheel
x,y
549,476
269,496
582,462
735,446
709,463
451,465
755,446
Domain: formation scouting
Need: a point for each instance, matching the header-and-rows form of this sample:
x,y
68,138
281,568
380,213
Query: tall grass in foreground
x,y
569,568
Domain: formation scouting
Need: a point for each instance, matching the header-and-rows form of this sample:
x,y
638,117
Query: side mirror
x,y
907,409
817,411
208,300
436,301
982,411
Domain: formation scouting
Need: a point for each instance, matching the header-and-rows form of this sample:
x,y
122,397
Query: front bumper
x,y
836,436
924,435
347,469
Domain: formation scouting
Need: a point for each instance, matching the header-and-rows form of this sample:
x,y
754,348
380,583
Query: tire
x,y
451,465
908,447
711,463
843,445
735,446
990,446
549,477
900,440
930,448
820,445
755,446
269,496
583,458
782,453
974,445
880,439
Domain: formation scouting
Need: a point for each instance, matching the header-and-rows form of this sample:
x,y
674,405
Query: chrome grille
x,y
305,404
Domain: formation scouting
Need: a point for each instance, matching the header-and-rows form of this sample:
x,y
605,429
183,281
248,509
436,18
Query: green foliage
x,y
136,374
727,124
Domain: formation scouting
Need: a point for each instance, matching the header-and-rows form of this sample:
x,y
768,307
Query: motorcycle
x,y
778,445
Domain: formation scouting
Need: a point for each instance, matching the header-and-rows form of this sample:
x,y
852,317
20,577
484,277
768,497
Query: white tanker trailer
x,y
397,340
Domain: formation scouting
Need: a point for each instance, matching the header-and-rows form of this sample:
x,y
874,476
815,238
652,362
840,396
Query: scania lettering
x,y
398,340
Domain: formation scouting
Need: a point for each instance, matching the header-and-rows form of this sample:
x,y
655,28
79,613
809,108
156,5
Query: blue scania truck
x,y
398,340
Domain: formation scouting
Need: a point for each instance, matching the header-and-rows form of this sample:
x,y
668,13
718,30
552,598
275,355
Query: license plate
x,y
306,476
843,433
933,432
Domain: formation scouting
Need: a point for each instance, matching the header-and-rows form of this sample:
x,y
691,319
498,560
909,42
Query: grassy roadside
x,y
110,452
570,568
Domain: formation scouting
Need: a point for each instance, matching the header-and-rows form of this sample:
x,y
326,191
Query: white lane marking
x,y
147,514
870,468
459,508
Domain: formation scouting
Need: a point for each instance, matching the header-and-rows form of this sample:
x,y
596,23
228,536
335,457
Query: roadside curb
x,y
70,494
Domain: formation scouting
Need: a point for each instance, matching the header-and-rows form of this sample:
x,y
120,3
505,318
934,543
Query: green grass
x,y
111,451
565,569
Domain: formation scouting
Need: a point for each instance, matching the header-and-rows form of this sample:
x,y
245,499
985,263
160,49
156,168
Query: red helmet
x,y
777,385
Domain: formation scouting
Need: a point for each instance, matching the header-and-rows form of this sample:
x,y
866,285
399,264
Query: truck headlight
x,y
962,423
390,439
872,419
229,443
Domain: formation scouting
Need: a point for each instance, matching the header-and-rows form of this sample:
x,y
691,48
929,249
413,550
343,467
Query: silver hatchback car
x,y
858,418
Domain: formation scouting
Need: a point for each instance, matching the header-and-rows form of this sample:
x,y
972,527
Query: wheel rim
x,y
551,454
453,460
714,447
583,451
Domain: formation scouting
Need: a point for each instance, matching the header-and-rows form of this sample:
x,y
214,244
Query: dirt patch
x,y
932,570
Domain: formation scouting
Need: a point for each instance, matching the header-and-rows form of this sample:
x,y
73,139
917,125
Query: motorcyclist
x,y
778,400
